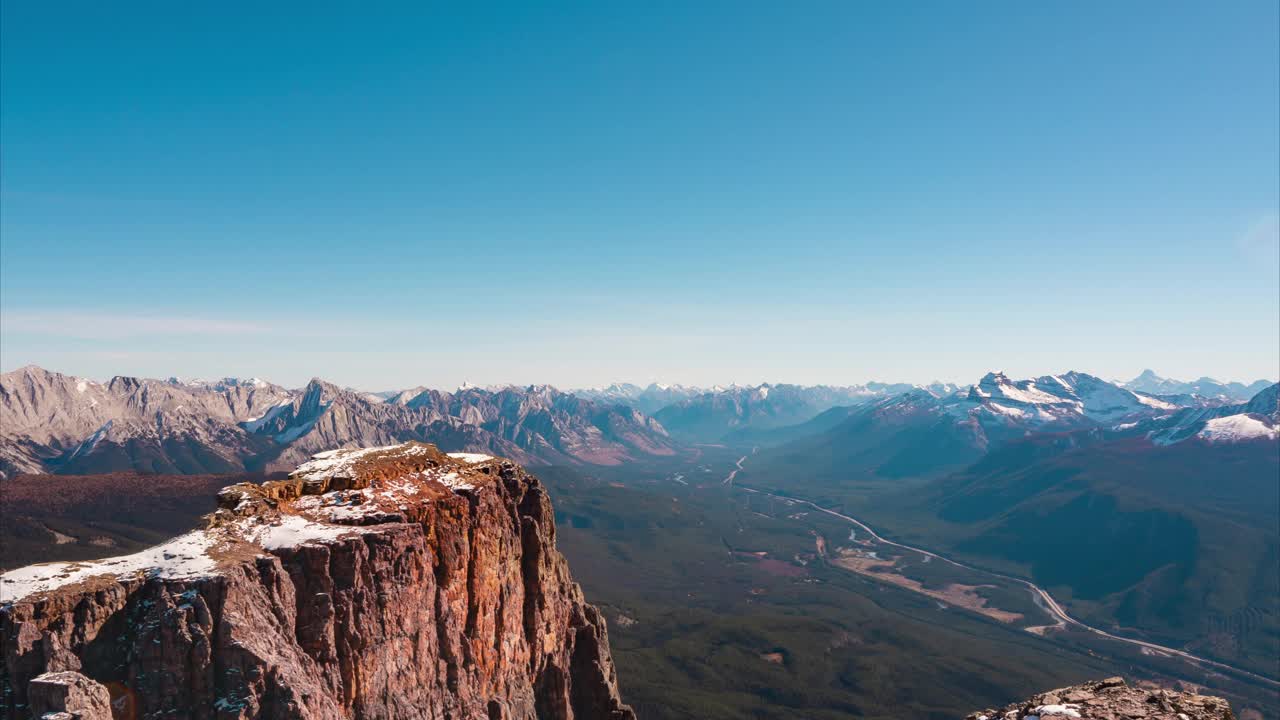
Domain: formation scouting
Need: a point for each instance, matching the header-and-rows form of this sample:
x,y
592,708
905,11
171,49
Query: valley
x,y
774,540
894,571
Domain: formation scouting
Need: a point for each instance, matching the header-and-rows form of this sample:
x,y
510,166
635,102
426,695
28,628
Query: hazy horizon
x,y
567,386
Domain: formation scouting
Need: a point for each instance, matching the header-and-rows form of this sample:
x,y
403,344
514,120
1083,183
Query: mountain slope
x,y
1255,420
52,420
921,433
711,416
1196,520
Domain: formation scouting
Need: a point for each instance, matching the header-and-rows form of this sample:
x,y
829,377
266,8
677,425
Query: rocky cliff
x,y
395,582
1112,699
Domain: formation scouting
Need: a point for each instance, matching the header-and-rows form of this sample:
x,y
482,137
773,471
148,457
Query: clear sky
x,y
692,192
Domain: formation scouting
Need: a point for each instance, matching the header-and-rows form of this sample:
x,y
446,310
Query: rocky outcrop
x,y
1112,699
68,695
394,582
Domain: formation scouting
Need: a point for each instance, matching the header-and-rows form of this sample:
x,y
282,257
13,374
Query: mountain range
x,y
50,422
57,423
922,433
1205,387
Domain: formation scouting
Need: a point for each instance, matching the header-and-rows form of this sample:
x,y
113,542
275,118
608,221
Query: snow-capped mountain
x,y
1206,387
922,432
1070,398
1258,419
711,415
51,422
648,399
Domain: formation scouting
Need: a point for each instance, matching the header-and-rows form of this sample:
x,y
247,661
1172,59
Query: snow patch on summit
x,y
186,556
1237,428
339,463
294,530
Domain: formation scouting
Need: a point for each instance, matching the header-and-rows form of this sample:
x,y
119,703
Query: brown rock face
x,y
408,584
1112,699
71,695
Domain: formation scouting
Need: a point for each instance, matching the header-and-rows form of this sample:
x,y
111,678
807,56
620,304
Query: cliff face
x,y
1112,699
394,583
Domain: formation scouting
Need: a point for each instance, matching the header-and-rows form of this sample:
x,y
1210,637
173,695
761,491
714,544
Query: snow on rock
x,y
309,518
1055,710
1010,411
340,463
254,424
294,530
186,556
1237,428
996,385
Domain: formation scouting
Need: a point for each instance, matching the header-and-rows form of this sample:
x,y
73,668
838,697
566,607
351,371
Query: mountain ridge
x,y
50,422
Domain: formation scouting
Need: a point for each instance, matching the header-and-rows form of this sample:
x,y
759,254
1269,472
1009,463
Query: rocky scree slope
x,y
1112,699
57,423
393,582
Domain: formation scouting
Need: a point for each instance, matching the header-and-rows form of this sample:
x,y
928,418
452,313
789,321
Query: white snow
x,y
1002,387
1236,428
294,530
453,481
470,458
1010,411
186,556
92,441
1068,710
292,434
1153,402
253,424
1066,385
335,462
82,386
331,462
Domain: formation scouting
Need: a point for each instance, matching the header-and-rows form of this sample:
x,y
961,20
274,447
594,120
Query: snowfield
x,y
186,556
1235,428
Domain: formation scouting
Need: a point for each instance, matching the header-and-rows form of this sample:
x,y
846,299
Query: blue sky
x,y
688,192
